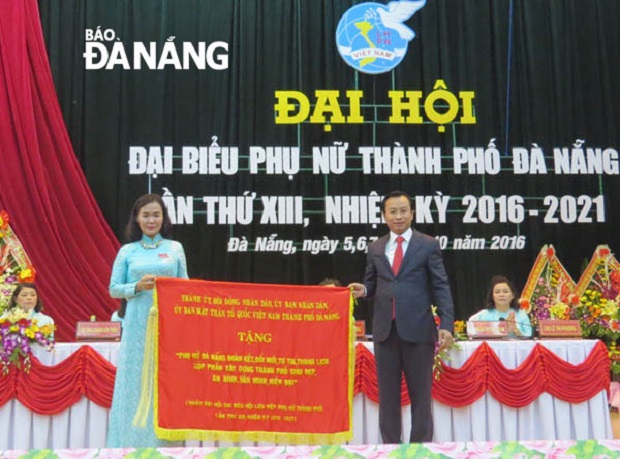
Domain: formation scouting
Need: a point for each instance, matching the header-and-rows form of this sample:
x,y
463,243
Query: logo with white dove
x,y
373,38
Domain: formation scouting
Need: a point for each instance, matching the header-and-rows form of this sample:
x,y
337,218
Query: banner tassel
x,y
146,395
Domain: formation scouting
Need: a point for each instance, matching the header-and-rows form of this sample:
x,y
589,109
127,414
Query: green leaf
x,y
510,449
333,452
415,450
40,454
591,448
145,453
229,453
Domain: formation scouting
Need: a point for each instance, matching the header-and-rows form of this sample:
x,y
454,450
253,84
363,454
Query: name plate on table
x,y
360,329
559,329
98,331
482,329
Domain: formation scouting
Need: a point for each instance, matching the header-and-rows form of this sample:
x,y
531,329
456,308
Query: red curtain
x,y
51,390
542,371
42,187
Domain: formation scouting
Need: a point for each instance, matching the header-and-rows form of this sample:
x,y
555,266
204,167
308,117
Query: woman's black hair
x,y
13,301
514,304
132,230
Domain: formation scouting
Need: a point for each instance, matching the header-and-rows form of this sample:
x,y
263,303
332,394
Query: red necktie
x,y
398,255
398,259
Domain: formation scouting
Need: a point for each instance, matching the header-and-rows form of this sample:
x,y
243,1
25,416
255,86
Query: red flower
x,y
437,320
4,219
23,322
573,299
603,252
550,252
27,275
525,304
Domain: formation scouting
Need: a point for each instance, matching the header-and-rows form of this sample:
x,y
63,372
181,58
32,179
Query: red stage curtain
x,y
51,390
542,371
42,187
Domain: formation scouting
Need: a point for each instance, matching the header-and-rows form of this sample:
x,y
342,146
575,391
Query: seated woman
x,y
502,306
26,297
330,282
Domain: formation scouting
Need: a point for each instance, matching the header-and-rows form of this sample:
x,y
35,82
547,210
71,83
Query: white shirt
x,y
390,247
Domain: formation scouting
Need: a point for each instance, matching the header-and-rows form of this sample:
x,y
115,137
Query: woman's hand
x,y
146,283
511,324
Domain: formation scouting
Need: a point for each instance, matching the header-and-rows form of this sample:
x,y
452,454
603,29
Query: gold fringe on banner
x,y
283,438
149,366
352,336
299,438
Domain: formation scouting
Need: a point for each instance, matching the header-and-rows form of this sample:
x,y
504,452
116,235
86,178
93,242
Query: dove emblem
x,y
373,38
399,12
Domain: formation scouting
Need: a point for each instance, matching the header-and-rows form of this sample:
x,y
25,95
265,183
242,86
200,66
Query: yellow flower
x,y
559,311
27,274
609,308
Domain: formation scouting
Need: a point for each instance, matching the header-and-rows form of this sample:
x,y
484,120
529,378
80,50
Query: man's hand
x,y
358,290
445,340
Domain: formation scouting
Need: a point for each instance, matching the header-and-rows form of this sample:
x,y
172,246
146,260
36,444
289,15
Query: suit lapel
x,y
381,247
414,245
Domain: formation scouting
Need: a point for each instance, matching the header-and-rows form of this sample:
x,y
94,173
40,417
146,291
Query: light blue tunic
x,y
132,262
493,315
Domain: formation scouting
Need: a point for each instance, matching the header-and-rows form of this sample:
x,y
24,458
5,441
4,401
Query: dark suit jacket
x,y
421,282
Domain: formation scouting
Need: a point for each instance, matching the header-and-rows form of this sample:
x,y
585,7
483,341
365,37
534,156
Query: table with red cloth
x,y
494,390
531,390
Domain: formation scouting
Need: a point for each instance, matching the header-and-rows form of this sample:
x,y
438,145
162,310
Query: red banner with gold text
x,y
254,362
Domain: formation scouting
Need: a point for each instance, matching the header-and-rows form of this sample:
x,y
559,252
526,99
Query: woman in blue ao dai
x,y
502,305
147,255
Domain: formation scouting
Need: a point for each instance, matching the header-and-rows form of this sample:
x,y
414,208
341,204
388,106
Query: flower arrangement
x,y
15,266
547,294
614,358
443,355
460,330
18,334
552,300
4,221
598,315
598,297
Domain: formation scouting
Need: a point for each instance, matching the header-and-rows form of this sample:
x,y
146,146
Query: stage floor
x,y
551,449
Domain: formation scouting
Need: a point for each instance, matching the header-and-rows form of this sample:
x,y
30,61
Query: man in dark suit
x,y
405,275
